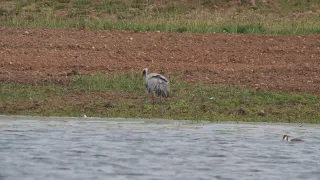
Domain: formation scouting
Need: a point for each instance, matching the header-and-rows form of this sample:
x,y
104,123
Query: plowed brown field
x,y
268,62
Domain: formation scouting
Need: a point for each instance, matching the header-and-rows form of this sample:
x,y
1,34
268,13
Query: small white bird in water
x,y
287,138
156,84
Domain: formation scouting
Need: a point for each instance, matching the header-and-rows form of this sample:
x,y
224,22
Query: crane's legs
x,y
161,110
153,100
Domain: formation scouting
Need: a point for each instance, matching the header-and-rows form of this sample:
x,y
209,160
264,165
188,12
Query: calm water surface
x,y
71,148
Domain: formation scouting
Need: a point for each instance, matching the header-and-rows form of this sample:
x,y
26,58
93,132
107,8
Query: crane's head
x,y
145,71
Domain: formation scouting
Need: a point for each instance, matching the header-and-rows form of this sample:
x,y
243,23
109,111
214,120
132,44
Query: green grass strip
x,y
123,95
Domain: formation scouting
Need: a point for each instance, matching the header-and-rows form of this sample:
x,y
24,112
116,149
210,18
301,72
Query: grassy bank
x,y
123,95
202,16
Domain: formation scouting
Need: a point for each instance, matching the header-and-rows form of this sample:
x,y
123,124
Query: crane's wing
x,y
156,75
158,86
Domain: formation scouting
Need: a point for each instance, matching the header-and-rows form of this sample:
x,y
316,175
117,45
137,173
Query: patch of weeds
x,y
18,92
77,13
208,3
244,29
181,29
63,1
126,83
112,7
172,8
18,8
60,6
30,17
139,4
4,11
46,4
126,15
226,29
80,3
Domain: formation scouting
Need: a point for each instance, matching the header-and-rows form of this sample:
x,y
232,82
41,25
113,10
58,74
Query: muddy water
x,y
85,148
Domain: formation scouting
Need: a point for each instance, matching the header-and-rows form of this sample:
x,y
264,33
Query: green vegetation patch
x,y
119,83
123,95
203,16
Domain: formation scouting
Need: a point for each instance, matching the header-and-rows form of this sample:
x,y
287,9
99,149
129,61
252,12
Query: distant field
x,y
201,16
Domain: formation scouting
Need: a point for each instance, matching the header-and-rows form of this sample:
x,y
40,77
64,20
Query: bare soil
x,y
266,62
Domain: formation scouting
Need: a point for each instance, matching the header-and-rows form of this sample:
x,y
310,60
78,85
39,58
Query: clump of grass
x,y
123,95
20,92
80,3
119,82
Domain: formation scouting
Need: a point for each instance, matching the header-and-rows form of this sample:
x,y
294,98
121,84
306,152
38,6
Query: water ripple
x,y
124,149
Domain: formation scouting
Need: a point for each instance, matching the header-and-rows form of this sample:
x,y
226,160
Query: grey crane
x,y
156,84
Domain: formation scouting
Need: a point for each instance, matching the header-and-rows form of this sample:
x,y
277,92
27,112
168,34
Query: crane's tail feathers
x,y
162,89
